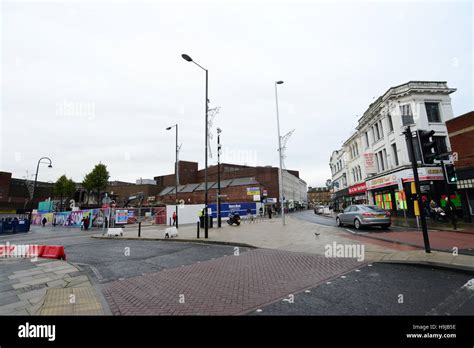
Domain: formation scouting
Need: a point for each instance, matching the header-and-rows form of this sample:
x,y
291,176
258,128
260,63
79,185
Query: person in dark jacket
x,y
44,221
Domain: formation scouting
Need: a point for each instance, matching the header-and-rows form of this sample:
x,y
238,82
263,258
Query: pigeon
x,y
317,234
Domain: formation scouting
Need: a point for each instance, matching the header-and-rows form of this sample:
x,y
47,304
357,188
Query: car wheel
x,y
338,222
357,224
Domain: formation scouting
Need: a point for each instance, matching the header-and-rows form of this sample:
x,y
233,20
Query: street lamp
x,y
36,179
219,219
206,222
280,175
176,173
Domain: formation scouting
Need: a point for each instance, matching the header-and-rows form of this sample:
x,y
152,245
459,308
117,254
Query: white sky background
x,y
123,60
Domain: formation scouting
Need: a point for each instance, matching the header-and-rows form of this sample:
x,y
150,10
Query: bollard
x,y
198,229
139,228
170,221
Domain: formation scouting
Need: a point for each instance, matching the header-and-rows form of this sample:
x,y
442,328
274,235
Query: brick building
x,y
319,195
235,182
461,137
14,194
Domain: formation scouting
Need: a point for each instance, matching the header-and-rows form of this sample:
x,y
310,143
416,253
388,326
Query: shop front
x,y
393,191
341,199
358,194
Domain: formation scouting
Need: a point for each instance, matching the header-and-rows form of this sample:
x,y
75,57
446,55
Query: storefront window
x,y
455,199
384,201
401,200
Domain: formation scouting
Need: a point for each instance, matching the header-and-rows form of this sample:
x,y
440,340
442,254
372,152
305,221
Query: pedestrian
x,y
174,218
44,221
86,223
270,212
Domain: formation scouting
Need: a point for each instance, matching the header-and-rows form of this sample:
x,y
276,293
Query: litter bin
x,y
7,226
23,226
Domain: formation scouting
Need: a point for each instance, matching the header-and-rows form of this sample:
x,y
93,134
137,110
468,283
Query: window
x,y
407,116
432,111
441,146
395,154
360,173
373,134
390,123
381,129
377,132
353,175
384,154
367,139
382,165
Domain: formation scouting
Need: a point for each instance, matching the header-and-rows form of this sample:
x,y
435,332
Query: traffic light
x,y
429,152
451,176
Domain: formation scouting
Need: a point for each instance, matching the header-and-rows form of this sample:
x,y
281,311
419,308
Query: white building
x,y
294,189
378,164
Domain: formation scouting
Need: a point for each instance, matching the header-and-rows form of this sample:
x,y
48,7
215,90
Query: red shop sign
x,y
360,188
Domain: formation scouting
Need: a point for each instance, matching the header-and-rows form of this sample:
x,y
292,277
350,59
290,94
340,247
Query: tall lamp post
x,y
36,180
176,173
280,175
206,222
219,218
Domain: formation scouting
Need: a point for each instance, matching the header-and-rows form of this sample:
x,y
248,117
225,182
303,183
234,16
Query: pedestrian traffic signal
x,y
451,176
429,152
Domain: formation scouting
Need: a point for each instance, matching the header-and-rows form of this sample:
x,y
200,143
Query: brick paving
x,y
229,285
439,240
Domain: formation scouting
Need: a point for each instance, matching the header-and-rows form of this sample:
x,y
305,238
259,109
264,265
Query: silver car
x,y
360,215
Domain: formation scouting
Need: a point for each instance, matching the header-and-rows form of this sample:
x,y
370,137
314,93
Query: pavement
x,y
231,285
303,236
45,287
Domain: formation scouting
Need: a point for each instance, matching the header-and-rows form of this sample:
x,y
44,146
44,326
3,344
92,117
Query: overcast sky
x,y
84,82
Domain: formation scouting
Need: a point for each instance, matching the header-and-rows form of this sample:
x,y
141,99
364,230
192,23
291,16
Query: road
x,y
310,216
383,289
149,277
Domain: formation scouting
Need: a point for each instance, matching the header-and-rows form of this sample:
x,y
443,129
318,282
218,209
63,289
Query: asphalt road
x,y
379,289
310,216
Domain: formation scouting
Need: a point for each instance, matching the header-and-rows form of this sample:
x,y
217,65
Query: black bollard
x,y
198,229
139,228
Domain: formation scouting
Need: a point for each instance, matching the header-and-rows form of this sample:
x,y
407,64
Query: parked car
x,y
360,215
319,209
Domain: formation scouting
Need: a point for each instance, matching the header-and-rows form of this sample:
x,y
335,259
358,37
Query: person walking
x,y
174,218
269,212
86,223
44,221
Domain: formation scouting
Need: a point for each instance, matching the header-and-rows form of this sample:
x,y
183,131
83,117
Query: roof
x,y
189,187
244,181
201,186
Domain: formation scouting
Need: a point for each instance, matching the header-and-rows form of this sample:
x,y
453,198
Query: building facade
x,y
378,169
319,195
461,137
237,184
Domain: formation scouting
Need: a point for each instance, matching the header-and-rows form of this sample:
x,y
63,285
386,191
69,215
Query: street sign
x,y
454,156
